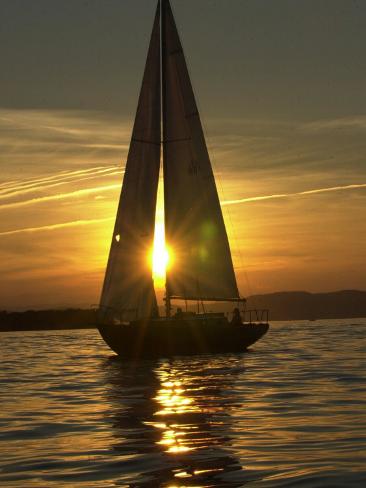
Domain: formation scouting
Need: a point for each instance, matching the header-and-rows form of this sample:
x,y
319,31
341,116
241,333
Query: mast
x,y
163,119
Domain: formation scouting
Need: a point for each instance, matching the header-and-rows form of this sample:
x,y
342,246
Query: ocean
x,y
290,412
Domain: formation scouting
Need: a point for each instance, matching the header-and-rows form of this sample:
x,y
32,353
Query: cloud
x,y
88,191
75,223
288,195
56,159
35,141
107,188
357,122
60,196
5,186
18,188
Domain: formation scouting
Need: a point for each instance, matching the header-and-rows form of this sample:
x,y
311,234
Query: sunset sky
x,y
281,88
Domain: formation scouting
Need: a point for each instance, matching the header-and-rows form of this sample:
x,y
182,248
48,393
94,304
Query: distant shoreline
x,y
282,306
49,328
48,320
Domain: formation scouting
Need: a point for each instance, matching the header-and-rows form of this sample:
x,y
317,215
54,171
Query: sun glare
x,y
160,255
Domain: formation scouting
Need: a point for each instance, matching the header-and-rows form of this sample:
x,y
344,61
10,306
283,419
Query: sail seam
x,y
176,140
175,51
193,114
208,299
144,141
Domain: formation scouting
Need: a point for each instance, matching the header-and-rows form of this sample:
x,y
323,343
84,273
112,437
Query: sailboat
x,y
202,271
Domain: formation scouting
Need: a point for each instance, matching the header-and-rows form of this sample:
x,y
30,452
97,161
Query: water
x,y
289,413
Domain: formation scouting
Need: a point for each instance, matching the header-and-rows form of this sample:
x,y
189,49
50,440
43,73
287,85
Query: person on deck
x,y
236,320
179,313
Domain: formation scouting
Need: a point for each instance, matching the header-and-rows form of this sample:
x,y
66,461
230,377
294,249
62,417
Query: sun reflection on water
x,y
174,401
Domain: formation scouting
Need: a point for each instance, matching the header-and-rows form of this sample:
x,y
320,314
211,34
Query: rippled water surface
x,y
291,412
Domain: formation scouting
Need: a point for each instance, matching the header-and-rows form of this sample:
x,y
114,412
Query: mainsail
x,y
202,267
128,291
194,227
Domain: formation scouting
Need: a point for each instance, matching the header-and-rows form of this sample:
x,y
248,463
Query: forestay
x,y
201,264
128,291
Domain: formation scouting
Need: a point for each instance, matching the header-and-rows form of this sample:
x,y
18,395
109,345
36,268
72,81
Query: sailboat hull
x,y
172,337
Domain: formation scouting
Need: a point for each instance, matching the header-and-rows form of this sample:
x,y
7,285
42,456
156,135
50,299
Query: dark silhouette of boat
x,y
200,334
202,270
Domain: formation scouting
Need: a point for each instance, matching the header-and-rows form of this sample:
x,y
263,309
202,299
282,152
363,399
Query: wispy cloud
x,y
61,170
88,191
59,176
62,225
357,122
107,188
297,194
60,196
41,140
17,189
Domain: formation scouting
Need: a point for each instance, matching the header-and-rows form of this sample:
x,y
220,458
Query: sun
x,y
160,256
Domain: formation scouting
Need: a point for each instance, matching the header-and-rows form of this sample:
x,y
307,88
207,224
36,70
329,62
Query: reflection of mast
x,y
174,416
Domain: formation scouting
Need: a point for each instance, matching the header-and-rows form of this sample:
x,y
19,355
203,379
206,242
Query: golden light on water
x,y
174,400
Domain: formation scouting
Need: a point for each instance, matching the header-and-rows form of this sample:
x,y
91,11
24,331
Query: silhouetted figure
x,y
179,313
236,320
